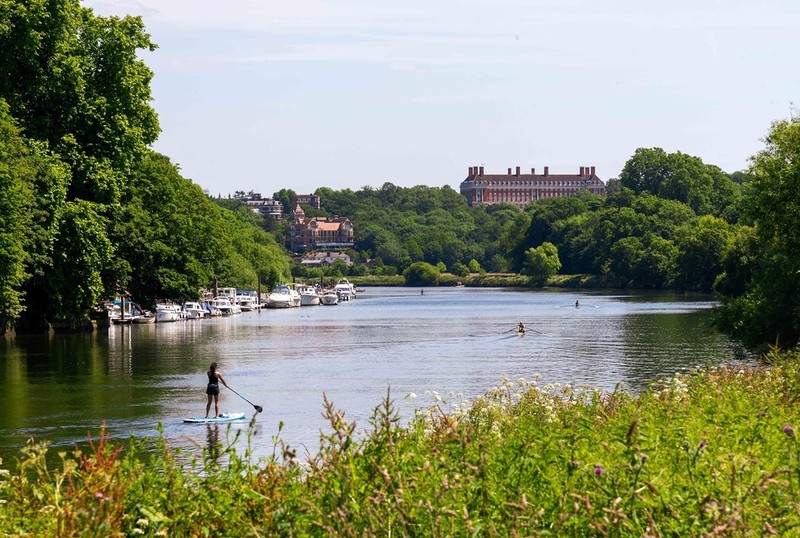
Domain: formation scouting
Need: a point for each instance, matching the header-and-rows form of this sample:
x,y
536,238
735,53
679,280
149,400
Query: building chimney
x,y
533,171
581,170
546,171
517,171
481,170
471,171
509,171
592,169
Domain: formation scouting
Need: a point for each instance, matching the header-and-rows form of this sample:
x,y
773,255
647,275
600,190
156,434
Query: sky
x,y
265,95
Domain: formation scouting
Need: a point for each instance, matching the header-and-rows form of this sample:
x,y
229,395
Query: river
x,y
458,342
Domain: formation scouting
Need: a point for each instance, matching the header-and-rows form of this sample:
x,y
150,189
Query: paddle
x,y
257,407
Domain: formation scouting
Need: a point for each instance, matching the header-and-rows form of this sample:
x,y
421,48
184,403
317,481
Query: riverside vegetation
x,y
713,453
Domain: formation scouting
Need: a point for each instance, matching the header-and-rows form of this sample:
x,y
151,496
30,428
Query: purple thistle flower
x,y
598,470
99,495
703,443
788,430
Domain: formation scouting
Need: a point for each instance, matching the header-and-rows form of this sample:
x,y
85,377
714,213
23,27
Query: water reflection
x,y
212,441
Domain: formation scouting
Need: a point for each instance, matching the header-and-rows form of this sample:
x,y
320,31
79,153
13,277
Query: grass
x,y
711,453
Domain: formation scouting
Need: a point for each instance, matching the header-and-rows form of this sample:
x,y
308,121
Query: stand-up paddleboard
x,y
224,417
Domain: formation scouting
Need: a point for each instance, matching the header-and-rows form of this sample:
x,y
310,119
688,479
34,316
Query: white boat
x,y
283,296
168,313
144,318
122,312
309,295
193,310
330,297
225,305
345,290
248,301
210,309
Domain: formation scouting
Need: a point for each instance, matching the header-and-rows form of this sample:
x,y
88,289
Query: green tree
x,y
421,274
459,269
16,203
701,248
82,252
541,262
768,310
677,176
285,196
75,80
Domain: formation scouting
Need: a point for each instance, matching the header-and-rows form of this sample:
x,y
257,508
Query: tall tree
x,y
677,176
16,201
74,80
768,310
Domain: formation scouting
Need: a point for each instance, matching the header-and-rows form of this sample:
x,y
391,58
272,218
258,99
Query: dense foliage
x,y
760,284
713,453
636,238
87,210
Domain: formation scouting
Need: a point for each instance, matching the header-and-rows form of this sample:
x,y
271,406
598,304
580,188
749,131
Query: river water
x,y
458,342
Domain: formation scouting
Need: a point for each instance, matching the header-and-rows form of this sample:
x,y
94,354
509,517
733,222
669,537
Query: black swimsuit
x,y
213,384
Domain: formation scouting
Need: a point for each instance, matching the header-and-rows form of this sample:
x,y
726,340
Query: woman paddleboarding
x,y
212,389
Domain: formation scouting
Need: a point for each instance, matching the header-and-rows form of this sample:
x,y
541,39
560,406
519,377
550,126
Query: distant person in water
x,y
212,389
577,304
521,327
422,292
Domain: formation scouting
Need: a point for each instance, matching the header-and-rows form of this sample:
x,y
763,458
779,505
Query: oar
x,y
257,407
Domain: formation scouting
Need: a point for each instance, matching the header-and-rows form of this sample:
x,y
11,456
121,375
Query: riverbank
x,y
497,280
714,452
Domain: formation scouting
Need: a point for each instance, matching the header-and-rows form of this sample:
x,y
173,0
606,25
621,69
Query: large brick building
x,y
319,232
520,189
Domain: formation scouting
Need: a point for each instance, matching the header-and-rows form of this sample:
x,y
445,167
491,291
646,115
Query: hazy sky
x,y
300,94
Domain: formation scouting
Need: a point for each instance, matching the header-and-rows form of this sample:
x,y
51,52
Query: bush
x,y
421,274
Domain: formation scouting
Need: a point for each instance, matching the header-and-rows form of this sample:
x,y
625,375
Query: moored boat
x,y
345,289
225,306
330,298
248,300
309,295
193,310
283,296
168,313
144,318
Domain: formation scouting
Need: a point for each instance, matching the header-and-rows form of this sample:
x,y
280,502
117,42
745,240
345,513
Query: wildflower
x,y
99,495
411,395
703,443
574,463
142,522
598,470
137,530
788,430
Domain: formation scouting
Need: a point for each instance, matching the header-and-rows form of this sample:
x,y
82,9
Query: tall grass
x,y
711,453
